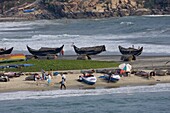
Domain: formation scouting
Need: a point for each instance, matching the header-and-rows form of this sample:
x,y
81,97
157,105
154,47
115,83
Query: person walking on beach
x,y
62,75
62,82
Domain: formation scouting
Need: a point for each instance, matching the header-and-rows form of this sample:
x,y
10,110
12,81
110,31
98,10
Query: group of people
x,y
48,77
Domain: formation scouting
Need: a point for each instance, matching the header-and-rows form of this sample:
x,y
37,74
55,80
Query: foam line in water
x,y
127,23
69,93
29,23
156,15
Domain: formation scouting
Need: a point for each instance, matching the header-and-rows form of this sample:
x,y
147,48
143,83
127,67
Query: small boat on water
x,y
6,51
88,79
130,51
112,77
89,50
44,51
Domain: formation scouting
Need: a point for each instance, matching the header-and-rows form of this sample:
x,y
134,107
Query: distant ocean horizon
x,y
152,32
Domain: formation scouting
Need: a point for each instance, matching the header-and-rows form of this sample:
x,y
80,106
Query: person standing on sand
x,y
50,73
110,74
36,78
62,52
43,75
49,79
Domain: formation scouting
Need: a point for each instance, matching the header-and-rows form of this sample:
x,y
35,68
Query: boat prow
x,y
7,51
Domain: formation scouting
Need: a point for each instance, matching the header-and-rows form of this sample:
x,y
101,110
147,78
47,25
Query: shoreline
x,y
131,81
145,63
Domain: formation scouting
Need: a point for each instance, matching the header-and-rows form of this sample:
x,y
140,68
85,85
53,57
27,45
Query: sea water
x,y
151,32
136,99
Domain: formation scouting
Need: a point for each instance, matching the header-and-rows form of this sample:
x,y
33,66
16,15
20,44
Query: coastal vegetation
x,y
38,65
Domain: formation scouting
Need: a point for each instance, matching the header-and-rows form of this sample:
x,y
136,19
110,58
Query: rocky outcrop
x,y
54,9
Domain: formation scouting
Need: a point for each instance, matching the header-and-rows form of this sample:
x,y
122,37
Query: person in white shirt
x,y
63,81
49,79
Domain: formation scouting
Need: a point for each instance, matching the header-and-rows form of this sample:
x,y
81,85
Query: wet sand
x,y
146,63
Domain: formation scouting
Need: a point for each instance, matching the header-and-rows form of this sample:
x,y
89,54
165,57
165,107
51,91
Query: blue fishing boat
x,y
112,77
29,10
90,79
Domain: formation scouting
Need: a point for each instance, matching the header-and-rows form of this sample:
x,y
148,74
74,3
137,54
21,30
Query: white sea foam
x,y
29,23
69,93
127,23
156,15
15,29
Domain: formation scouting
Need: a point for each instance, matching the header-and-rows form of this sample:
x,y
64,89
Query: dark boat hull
x,y
130,51
8,51
89,50
45,51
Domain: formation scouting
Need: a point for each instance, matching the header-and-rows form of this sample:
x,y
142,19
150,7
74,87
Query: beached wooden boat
x,y
12,74
12,57
6,51
4,78
44,51
89,50
90,79
130,51
112,78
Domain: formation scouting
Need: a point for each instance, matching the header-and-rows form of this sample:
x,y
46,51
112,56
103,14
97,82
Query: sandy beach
x,y
146,63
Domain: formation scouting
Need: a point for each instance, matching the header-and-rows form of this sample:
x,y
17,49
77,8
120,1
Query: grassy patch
x,y
61,65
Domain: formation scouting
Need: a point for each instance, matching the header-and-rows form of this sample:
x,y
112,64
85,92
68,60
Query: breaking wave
x,y
21,95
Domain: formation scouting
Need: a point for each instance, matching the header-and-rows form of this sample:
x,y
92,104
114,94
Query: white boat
x,y
90,79
113,77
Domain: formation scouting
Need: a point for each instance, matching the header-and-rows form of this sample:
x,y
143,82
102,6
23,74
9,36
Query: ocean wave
x,y
20,39
62,36
156,15
14,29
21,95
40,38
110,41
29,23
126,23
